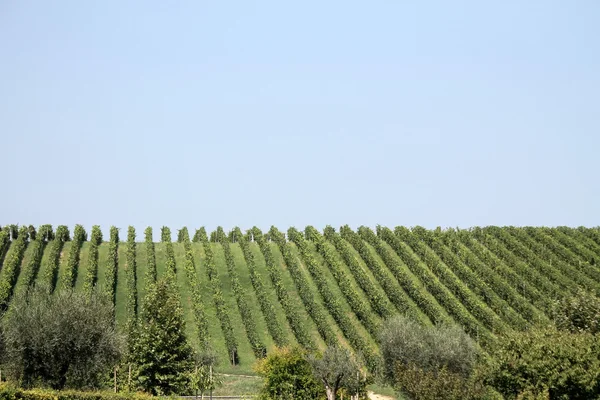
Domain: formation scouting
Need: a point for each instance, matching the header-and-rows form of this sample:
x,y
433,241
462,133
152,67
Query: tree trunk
x,y
330,393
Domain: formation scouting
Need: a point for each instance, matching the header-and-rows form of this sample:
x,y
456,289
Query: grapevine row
x,y
70,272
222,312
29,272
499,277
150,257
331,301
376,296
268,309
314,308
131,276
91,276
392,289
55,249
444,296
586,277
540,252
470,278
12,263
258,347
533,260
360,308
580,236
580,244
112,263
526,273
194,285
296,323
424,300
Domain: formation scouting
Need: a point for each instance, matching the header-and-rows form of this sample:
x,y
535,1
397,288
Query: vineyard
x,y
243,293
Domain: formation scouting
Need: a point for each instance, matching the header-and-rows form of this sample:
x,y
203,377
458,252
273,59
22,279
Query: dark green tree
x,y
160,353
62,340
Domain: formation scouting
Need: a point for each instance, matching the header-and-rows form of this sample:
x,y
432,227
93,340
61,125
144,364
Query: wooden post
x,y
115,379
211,379
129,379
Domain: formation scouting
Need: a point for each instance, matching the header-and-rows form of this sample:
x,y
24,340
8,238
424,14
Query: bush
x,y
529,364
417,359
61,340
8,392
288,375
579,313
406,342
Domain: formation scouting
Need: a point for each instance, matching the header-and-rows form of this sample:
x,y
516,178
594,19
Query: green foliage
x,y
563,364
9,392
504,281
45,233
183,235
111,267
150,257
297,325
91,276
444,296
197,298
430,348
471,280
79,236
579,313
408,281
62,233
314,308
361,308
165,234
12,264
131,276
30,270
202,378
425,362
258,347
416,383
391,287
219,301
161,354
51,271
288,375
376,296
331,301
339,372
75,348
482,313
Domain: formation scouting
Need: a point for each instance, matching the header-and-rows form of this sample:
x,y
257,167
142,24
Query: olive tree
x,y
63,340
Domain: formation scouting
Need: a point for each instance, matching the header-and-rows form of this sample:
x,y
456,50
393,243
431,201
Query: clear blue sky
x,y
195,113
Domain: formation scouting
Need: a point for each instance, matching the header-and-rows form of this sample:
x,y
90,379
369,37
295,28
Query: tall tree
x,y
161,354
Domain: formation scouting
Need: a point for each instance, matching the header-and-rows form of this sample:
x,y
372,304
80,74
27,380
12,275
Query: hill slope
x,y
244,293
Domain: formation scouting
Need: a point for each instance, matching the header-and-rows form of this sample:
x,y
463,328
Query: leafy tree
x,y
414,356
562,364
338,370
161,353
202,378
288,375
579,313
61,340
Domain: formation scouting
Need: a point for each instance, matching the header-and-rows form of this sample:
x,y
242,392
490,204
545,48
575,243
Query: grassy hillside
x,y
336,287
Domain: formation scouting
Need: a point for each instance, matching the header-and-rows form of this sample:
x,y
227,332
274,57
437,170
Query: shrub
x,y
9,392
579,313
61,340
528,364
418,358
288,375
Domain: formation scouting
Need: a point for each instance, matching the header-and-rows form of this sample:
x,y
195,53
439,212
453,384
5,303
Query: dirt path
x,y
374,396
